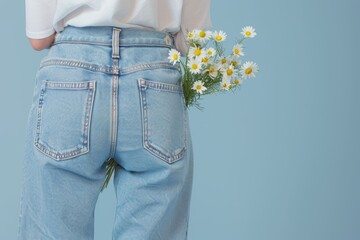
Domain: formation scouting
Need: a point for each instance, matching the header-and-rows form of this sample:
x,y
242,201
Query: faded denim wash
x,y
101,93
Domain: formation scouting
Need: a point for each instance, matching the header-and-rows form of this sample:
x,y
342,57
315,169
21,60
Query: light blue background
x,y
278,160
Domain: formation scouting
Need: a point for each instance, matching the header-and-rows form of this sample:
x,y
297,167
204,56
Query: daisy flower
x,y
219,36
248,69
199,86
238,50
194,65
234,60
230,71
212,70
225,84
196,52
205,60
248,32
218,70
174,56
237,81
235,63
210,52
225,61
203,35
190,35
221,67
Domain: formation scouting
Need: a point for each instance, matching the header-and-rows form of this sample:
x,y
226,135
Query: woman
x,y
106,89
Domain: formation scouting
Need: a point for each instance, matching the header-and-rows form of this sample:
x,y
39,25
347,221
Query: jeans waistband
x,y
104,35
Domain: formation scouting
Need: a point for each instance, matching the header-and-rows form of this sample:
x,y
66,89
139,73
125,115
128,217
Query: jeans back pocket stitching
x,y
90,86
143,84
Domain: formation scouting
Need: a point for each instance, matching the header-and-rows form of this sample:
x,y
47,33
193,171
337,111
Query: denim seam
x,y
110,70
145,66
114,88
162,86
20,219
109,44
152,149
88,112
187,229
67,85
86,126
72,63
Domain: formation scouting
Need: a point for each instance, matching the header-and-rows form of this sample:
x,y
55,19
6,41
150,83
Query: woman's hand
x,y
40,44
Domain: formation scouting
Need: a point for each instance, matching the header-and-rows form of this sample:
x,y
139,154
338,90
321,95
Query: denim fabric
x,y
101,93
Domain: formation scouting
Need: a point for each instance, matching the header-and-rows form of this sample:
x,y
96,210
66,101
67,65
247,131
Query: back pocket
x,y
163,119
63,118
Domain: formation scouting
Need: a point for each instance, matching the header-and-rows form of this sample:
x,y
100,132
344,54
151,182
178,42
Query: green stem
x,y
111,165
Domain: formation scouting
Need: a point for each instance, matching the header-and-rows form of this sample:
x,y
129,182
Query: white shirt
x,y
44,17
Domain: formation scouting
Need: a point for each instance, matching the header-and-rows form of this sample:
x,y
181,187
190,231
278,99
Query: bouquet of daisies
x,y
206,70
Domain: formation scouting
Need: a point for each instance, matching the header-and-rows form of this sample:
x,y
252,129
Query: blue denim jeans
x,y
101,93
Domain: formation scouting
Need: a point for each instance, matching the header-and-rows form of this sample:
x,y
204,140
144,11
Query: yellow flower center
x,y
218,37
191,35
210,52
234,63
223,60
248,33
248,70
224,85
176,57
194,66
236,81
212,69
198,87
229,72
202,34
205,59
197,52
237,51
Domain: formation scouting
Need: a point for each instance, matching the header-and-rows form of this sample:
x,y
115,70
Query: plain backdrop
x,y
277,160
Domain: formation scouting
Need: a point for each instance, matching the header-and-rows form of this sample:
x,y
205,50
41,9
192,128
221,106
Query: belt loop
x,y
172,38
169,38
116,42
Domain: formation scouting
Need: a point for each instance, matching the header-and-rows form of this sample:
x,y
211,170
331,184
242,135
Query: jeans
x,y
100,93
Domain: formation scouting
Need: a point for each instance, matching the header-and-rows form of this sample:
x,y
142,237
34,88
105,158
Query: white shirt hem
x,y
40,35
